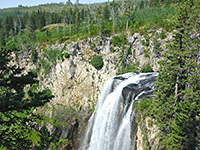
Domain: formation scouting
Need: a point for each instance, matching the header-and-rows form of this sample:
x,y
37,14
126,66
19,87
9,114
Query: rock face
x,y
148,50
76,84
146,135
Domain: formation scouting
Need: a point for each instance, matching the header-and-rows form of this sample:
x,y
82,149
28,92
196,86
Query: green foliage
x,y
145,42
147,53
154,3
119,40
128,68
23,42
176,103
11,45
49,59
156,45
152,17
97,62
35,137
163,35
34,55
144,104
17,104
106,12
106,28
147,68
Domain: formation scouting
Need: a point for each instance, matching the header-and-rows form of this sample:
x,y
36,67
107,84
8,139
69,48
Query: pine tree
x,y
82,14
89,20
106,12
17,104
64,20
154,3
122,13
128,13
115,6
77,15
70,16
8,25
177,102
30,29
2,38
99,15
33,20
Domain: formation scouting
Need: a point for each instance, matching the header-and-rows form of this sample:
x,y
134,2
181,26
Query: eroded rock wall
x,y
76,84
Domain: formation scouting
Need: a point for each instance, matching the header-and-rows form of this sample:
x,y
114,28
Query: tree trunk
x,y
77,21
176,85
122,14
70,16
113,16
89,22
127,24
64,24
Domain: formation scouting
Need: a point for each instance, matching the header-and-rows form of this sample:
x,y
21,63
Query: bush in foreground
x,y
97,62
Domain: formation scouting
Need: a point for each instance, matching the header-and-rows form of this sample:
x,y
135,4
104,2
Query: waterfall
x,y
112,126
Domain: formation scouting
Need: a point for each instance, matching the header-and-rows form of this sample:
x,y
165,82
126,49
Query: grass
x,y
152,17
128,68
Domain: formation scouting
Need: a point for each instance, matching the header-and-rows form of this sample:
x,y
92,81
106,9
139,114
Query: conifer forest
x,y
30,117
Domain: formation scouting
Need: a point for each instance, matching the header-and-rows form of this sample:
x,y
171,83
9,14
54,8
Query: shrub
x,y
147,68
63,55
34,55
163,35
11,45
119,40
157,45
145,43
128,68
66,55
147,53
97,62
112,49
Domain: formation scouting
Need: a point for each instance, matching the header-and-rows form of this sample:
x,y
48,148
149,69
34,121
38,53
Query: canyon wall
x,y
76,84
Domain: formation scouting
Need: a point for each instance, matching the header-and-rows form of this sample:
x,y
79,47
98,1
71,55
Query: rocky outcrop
x,y
146,137
148,50
76,84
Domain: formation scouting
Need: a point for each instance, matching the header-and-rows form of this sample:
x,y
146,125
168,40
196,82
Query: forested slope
x,y
86,33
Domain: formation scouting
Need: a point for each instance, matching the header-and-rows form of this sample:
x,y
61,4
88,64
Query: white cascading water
x,y
112,126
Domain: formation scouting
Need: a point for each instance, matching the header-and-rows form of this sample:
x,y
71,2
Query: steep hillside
x,y
71,54
76,83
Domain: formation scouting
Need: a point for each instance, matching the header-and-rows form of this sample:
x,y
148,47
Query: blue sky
x,y
15,3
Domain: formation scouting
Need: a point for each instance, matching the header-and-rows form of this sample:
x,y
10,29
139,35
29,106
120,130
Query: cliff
x,y
76,84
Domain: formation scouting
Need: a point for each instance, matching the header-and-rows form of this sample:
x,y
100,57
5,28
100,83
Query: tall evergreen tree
x,y
17,104
77,15
30,28
100,19
70,16
122,13
33,20
128,13
154,3
178,83
89,21
64,20
114,5
2,38
8,25
106,12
